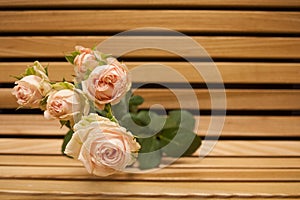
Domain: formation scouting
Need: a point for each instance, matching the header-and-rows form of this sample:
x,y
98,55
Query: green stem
x,y
110,114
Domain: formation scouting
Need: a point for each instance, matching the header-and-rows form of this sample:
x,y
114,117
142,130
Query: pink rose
x,y
82,49
30,90
65,105
84,61
103,146
107,84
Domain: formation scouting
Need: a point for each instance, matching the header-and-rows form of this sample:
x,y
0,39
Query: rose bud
x,y
30,90
66,104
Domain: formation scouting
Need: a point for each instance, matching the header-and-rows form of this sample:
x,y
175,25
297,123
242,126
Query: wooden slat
x,y
255,148
212,169
27,125
35,160
33,196
222,148
184,162
150,4
181,20
166,174
235,163
31,146
149,189
234,126
217,46
236,99
240,72
254,126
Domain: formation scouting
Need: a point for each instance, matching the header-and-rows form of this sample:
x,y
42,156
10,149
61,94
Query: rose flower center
x,y
23,93
56,107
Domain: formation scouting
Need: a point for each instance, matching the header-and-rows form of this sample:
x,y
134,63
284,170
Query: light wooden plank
x,y
181,163
200,98
150,4
239,72
33,196
254,126
166,174
217,46
236,99
222,148
234,126
30,125
31,146
255,148
181,20
118,189
38,160
236,162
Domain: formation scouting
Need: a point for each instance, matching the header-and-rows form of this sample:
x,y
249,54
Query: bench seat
x,y
256,47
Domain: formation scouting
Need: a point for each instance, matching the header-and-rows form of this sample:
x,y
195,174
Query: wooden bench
x,y
256,47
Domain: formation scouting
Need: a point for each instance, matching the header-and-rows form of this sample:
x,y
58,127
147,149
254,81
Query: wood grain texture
x,y
234,126
231,72
150,189
150,4
247,99
21,125
254,126
223,148
216,46
180,20
164,175
31,146
235,99
255,148
181,163
238,167
33,196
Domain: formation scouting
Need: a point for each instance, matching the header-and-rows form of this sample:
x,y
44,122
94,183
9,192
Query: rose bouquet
x,y
107,130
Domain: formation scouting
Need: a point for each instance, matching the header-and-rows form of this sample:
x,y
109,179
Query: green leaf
x,y
105,56
154,121
67,138
143,118
71,57
102,113
194,146
150,154
63,85
43,103
29,71
157,122
131,123
87,74
134,102
65,123
101,62
75,53
143,124
180,118
17,77
177,142
46,70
